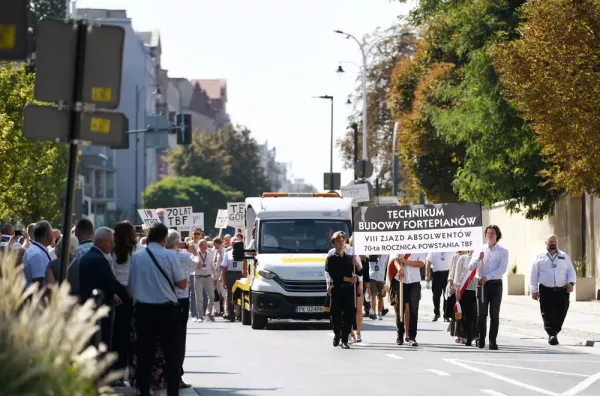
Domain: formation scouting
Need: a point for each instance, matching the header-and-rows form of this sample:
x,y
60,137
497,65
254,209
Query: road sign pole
x,y
73,147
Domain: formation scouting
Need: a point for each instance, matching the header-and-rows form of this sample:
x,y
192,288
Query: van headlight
x,y
266,274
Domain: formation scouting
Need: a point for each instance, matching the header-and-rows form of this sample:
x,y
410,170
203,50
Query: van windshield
x,y
299,235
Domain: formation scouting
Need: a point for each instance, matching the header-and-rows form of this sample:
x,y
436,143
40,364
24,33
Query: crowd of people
x,y
153,282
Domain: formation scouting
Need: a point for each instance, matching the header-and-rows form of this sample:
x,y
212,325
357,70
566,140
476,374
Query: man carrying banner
x,y
491,264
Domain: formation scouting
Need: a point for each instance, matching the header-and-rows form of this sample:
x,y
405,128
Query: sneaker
x,y
379,317
211,318
384,311
553,340
399,340
194,319
373,316
407,339
413,343
345,345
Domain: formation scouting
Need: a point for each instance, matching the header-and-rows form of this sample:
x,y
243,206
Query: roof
x,y
215,89
301,207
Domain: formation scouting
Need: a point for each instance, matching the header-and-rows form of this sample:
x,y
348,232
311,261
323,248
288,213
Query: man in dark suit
x,y
95,272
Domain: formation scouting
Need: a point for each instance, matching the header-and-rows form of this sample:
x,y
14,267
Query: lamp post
x,y
331,189
365,51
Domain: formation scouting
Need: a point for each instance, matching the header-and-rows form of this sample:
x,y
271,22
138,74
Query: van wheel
x,y
259,322
246,318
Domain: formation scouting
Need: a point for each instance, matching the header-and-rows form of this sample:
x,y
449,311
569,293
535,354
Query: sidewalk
x,y
522,314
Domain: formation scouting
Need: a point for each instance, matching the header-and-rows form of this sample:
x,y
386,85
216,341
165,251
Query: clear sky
x,y
275,55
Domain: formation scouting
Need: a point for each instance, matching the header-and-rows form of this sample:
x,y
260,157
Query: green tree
x,y
380,132
551,73
32,173
465,108
230,159
39,9
203,195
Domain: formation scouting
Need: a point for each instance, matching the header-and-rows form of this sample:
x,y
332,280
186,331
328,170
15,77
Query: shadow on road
x,y
231,391
285,325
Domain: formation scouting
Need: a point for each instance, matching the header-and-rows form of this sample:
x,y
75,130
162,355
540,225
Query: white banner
x,y
149,216
178,217
360,192
198,222
222,218
236,214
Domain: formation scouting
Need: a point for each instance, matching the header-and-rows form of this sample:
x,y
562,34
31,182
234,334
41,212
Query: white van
x,y
286,278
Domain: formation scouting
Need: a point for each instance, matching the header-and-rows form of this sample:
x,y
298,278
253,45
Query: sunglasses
x,y
197,233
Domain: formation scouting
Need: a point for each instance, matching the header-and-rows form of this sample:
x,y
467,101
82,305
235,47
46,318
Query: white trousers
x,y
201,284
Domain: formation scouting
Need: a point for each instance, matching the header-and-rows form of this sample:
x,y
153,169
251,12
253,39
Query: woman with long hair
x,y
125,245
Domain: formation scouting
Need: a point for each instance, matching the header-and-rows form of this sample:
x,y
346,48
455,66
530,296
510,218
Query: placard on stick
x,y
179,217
222,219
236,212
149,216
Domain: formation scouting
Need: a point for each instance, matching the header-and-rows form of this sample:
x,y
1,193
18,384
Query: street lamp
x,y
331,189
365,51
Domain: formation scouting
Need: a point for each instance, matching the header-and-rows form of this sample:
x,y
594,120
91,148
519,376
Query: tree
x,y
552,75
380,123
451,91
32,173
39,9
230,159
201,194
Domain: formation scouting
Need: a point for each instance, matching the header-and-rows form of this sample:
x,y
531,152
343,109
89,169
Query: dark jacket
x,y
95,273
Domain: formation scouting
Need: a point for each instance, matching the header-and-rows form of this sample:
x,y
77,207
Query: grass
x,y
44,340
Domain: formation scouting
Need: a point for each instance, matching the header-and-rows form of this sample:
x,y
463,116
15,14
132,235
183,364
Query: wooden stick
x,y
401,295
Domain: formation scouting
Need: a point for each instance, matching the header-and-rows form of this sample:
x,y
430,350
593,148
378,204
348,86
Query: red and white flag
x,y
463,287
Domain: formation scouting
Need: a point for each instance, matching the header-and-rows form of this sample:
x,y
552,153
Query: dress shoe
x,y
493,346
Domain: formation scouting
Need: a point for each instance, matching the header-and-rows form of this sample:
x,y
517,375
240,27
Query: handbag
x,y
163,274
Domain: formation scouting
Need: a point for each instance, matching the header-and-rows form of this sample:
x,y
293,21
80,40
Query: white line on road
x,y
502,378
582,385
438,372
525,368
492,392
391,355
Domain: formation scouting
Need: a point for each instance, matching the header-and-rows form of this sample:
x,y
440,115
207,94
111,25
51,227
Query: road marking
x,y
525,368
492,392
502,378
582,385
438,372
391,355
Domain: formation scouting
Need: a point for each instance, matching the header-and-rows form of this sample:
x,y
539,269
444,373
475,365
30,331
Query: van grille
x,y
302,286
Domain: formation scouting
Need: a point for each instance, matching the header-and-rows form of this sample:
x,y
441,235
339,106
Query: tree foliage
x,y
452,106
380,122
553,75
39,9
203,195
230,159
32,173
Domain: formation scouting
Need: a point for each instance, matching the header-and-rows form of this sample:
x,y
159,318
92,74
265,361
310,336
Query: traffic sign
x,y
363,169
103,128
55,63
45,123
13,29
329,178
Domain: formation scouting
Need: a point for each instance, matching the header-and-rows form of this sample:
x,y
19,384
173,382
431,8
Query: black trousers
x,y
492,298
184,307
411,296
554,305
439,281
231,277
122,334
342,311
158,323
468,305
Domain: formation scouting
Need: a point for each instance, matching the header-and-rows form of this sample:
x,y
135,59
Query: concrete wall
x,y
525,238
592,215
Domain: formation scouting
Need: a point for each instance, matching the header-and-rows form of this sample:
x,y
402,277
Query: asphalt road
x,y
297,358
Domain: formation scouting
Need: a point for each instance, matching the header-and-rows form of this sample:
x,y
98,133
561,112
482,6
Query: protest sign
x,y
178,217
417,228
197,222
149,216
236,214
222,219
360,192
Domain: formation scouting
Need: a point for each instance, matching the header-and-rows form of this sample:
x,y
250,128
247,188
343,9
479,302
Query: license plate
x,y
310,309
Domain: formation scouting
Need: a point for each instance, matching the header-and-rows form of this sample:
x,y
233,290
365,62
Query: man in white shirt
x,y
439,264
552,280
219,289
376,286
36,257
491,265
231,271
411,279
205,280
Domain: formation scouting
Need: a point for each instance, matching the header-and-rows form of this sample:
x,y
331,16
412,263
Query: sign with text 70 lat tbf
x,y
179,217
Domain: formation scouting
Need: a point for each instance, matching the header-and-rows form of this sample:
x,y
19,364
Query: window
x,y
299,235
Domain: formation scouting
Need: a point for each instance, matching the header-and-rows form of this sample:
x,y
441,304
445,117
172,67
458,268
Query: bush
x,y
43,340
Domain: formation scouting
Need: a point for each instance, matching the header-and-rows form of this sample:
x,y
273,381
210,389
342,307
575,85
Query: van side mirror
x,y
239,253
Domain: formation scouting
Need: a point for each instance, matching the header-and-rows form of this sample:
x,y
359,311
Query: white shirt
x,y
411,274
187,266
495,262
205,263
440,261
461,270
230,264
52,252
552,270
377,269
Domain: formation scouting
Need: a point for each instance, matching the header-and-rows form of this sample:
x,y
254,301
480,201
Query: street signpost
x,y
332,181
13,29
78,70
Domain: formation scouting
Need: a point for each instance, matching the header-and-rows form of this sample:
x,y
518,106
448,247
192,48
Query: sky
x,y
275,55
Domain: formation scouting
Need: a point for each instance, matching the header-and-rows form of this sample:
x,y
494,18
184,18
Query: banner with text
x,y
149,216
417,228
178,217
197,222
222,218
236,212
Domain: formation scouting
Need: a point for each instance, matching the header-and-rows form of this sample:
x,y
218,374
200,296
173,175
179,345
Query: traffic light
x,y
184,133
